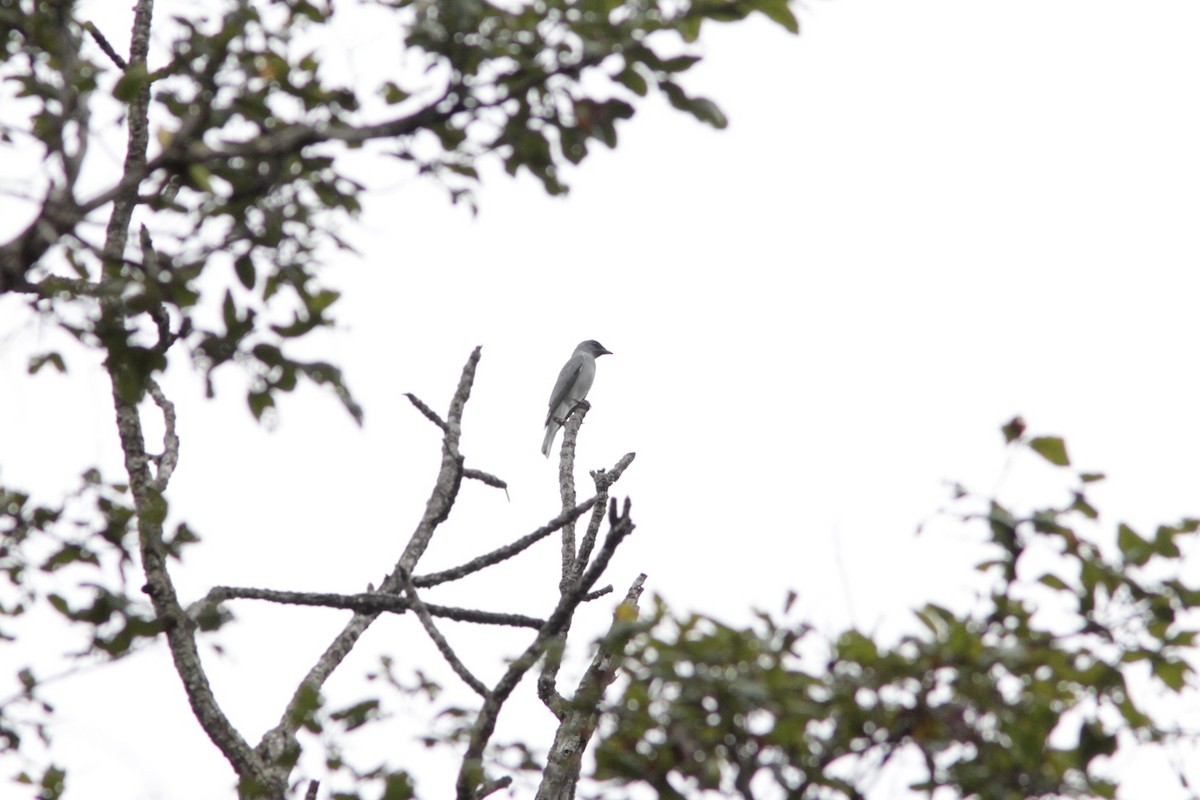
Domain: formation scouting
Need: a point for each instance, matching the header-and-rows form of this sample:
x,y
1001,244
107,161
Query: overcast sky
x,y
924,218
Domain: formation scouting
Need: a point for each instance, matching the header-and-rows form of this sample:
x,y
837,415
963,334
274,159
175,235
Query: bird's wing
x,y
566,380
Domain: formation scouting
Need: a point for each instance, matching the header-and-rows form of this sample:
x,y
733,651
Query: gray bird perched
x,y
571,387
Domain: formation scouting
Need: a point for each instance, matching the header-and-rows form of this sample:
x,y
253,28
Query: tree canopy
x,y
209,242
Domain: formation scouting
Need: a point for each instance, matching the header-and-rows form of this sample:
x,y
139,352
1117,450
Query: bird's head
x,y
593,348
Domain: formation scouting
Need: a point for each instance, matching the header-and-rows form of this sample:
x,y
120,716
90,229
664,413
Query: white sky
x,y
924,218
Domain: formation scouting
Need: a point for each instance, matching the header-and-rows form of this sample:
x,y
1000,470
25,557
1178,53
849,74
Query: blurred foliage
x,y
243,199
74,560
1026,695
241,189
247,190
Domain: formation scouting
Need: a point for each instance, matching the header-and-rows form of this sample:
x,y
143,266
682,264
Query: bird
x,y
572,386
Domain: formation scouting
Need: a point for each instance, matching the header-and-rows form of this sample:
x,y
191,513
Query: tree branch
x,y
366,603
147,497
429,413
505,552
91,28
566,484
170,454
456,664
582,714
603,480
471,772
485,477
281,739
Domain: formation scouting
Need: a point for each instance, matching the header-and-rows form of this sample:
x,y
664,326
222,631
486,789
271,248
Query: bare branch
x,y
429,413
566,484
179,629
484,477
151,266
597,594
282,738
491,787
170,454
578,723
365,603
449,478
91,28
456,664
603,480
573,564
506,552
485,724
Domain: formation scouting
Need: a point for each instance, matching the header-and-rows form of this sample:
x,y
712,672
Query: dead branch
x,y
582,714
365,603
503,553
281,739
467,785
456,664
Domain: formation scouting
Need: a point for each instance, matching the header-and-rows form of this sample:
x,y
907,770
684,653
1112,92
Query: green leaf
x,y
357,715
304,708
1084,507
1134,549
393,94
1013,429
39,361
1173,673
1054,582
132,81
778,11
322,300
706,110
1094,741
244,267
201,177
398,786
1051,448
154,510
678,63
1164,542
632,80
69,553
54,781
259,402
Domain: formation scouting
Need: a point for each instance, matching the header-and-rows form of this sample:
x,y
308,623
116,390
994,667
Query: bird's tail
x,y
547,443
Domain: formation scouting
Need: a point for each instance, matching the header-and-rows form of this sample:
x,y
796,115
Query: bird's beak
x,y
604,352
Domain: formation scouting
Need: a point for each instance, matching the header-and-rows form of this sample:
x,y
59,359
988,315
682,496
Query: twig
x,y
485,724
365,603
91,28
170,454
573,565
456,664
484,477
281,739
596,595
445,491
490,787
503,553
311,794
578,723
566,484
148,500
603,480
151,268
429,413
